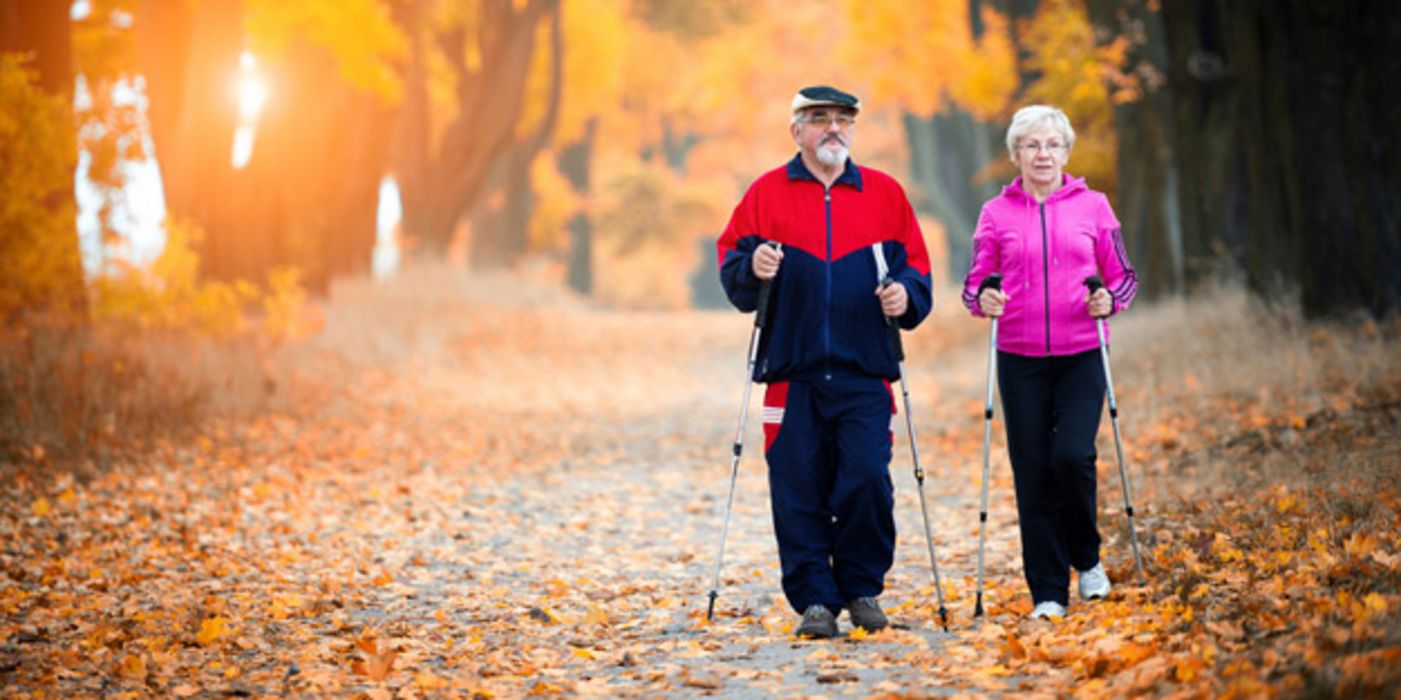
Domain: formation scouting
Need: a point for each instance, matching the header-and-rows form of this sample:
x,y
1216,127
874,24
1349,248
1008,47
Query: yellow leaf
x,y
133,666
557,588
544,688
993,671
384,579
211,630
41,507
584,653
859,634
425,680
67,497
1360,544
596,616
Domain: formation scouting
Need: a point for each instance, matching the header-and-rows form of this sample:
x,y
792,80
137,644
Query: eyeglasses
x,y
1033,147
823,120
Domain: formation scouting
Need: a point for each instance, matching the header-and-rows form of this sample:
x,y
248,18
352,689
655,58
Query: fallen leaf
x,y
211,630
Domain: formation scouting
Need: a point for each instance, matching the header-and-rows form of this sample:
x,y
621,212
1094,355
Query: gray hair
x,y
1032,116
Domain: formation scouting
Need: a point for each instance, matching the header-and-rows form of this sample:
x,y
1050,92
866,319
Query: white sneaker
x,y
1048,610
1094,583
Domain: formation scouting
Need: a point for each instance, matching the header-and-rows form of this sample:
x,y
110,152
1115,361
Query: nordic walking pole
x,y
914,454
993,281
760,315
1094,283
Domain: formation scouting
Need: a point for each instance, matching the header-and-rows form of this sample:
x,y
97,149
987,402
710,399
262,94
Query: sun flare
x,y
252,88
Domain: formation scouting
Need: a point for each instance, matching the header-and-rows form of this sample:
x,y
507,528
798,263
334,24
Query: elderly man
x,y
826,232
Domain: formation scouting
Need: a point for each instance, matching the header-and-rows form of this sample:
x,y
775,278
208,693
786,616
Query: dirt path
x,y
533,508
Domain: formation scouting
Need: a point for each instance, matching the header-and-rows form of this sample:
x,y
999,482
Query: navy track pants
x,y
828,445
1052,407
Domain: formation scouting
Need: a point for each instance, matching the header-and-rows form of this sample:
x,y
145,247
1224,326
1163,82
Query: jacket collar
x,y
1072,186
851,175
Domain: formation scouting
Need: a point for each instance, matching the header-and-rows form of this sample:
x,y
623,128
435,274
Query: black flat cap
x,y
824,95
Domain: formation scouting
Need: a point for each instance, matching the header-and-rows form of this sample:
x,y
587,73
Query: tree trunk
x,y
1284,142
574,163
307,196
310,190
1151,187
442,181
189,56
945,152
504,239
1340,67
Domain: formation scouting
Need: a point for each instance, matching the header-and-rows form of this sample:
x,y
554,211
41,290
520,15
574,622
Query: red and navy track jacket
x,y
824,315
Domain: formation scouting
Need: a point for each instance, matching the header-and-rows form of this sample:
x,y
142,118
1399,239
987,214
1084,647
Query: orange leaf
x,y
1012,647
133,666
377,667
211,630
1186,669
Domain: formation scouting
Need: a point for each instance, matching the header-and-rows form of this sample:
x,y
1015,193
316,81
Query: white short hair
x,y
1032,116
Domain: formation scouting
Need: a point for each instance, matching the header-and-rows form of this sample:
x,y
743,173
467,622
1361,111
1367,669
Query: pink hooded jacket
x,y
1044,252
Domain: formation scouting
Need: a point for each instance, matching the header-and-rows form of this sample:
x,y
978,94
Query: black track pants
x,y
1052,407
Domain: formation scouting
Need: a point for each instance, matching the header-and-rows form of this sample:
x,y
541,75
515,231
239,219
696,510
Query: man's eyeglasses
x,y
823,120
1033,147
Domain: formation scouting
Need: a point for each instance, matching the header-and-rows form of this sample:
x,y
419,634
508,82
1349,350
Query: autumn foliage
x,y
510,499
242,468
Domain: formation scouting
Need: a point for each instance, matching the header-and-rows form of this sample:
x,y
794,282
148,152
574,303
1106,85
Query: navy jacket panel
x,y
824,315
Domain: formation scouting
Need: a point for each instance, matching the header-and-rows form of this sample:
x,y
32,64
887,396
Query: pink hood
x,y
1044,253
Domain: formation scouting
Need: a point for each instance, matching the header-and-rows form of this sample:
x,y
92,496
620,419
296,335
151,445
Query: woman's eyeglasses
x,y
1032,147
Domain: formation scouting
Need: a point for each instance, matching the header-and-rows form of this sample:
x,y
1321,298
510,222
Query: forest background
x,y
579,158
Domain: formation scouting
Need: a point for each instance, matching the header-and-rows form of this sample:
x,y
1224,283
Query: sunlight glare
x,y
242,146
252,89
386,257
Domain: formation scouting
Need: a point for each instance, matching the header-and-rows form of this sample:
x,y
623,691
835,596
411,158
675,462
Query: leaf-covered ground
x,y
471,499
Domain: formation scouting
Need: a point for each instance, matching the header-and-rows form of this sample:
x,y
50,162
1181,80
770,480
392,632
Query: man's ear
x,y
793,131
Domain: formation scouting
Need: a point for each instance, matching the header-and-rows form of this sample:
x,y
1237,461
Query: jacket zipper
x,y
1046,274
827,313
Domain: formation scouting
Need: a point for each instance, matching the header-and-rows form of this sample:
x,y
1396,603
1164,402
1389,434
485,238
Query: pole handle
x,y
992,281
761,312
1094,284
893,326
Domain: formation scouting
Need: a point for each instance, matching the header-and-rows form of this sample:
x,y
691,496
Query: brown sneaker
x,y
818,622
866,614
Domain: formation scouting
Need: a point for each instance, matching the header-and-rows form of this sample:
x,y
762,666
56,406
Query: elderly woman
x,y
1045,234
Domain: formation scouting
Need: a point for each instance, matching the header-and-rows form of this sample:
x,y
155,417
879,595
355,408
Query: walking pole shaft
x,y
919,471
1119,449
993,281
1095,283
760,316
